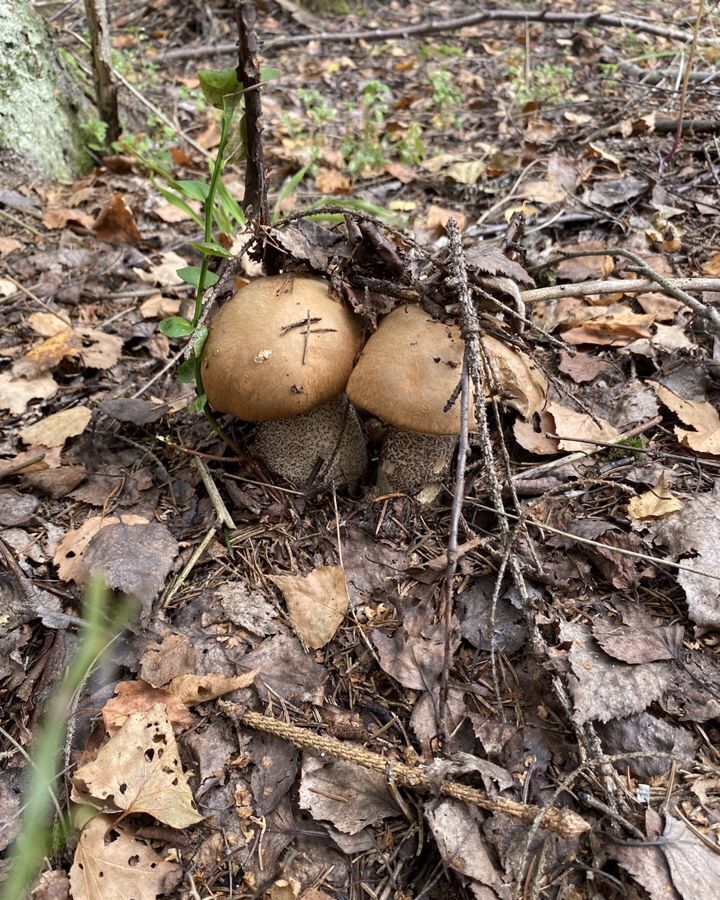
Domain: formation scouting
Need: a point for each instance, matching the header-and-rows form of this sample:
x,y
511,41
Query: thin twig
x,y
436,27
224,517
542,526
686,79
616,286
712,316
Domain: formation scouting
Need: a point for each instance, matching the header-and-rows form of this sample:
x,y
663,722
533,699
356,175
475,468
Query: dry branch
x,y
491,15
564,821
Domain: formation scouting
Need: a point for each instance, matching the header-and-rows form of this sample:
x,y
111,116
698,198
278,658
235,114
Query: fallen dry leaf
x,y
614,327
601,687
16,393
167,657
545,191
656,503
521,383
98,349
139,697
316,602
694,866
47,355
138,770
457,828
169,213
700,415
330,181
116,222
348,795
48,324
581,367
695,533
133,558
8,245
60,217
69,552
537,441
159,307
192,689
577,430
165,272
585,267
435,219
111,863
54,430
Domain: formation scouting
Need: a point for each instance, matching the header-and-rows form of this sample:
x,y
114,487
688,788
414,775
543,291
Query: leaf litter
x,y
608,682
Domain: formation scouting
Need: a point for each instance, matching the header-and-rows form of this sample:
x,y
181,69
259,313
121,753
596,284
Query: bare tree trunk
x,y
39,133
105,86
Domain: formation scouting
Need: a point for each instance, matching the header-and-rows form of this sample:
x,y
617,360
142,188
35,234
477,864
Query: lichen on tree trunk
x,y
37,122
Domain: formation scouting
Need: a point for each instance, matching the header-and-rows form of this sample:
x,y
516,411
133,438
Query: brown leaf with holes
x,y
139,771
133,558
69,552
110,863
140,697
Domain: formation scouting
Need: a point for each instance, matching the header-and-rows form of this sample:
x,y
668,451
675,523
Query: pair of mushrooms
x,y
281,353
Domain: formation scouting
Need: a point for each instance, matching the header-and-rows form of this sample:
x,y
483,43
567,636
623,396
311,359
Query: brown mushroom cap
x,y
261,362
410,367
408,371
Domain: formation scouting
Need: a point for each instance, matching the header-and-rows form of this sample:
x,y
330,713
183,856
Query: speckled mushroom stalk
x,y
279,353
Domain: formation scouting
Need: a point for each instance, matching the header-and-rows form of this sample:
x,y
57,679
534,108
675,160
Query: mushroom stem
x,y
410,460
326,444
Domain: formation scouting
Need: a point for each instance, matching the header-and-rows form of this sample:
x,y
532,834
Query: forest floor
x,y
294,692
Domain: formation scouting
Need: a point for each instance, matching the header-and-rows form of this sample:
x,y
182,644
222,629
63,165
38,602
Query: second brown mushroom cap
x,y
408,371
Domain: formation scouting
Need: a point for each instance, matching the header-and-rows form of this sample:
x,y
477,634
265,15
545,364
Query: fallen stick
x,y
562,820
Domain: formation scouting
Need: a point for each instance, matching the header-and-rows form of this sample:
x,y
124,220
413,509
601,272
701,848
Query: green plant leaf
x,y
177,201
267,73
175,327
196,190
191,275
211,248
200,341
198,403
186,372
217,84
288,188
230,206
